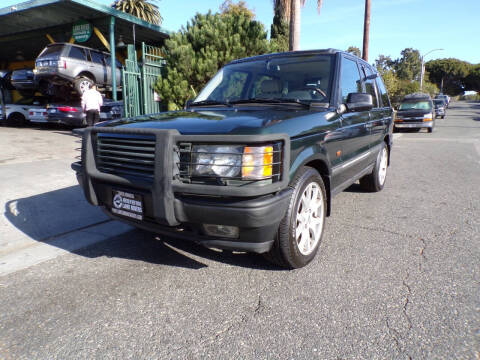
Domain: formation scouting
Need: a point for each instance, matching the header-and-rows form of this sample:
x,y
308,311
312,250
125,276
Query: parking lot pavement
x,y
44,211
397,277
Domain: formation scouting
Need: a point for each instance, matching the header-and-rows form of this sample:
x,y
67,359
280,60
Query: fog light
x,y
221,230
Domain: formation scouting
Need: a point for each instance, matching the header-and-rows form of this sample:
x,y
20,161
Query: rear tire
x,y
300,231
430,130
16,119
375,181
82,84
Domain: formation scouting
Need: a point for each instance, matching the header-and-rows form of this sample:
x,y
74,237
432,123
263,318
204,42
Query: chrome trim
x,y
351,162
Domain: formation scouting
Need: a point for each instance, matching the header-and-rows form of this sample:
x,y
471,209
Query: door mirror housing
x,y
359,102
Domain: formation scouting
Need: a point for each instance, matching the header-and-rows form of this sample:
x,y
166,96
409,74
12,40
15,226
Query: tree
x,y
384,63
142,9
295,20
449,74
279,31
472,81
354,50
229,7
409,65
196,52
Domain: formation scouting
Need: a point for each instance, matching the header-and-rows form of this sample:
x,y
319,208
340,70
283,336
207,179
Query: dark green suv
x,y
253,162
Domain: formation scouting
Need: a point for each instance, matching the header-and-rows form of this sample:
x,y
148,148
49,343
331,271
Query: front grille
x,y
185,164
126,155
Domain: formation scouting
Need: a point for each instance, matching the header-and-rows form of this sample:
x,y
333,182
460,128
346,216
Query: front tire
x,y
16,119
82,84
375,181
300,231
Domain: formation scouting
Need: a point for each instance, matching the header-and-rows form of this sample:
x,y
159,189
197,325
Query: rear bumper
x,y
66,120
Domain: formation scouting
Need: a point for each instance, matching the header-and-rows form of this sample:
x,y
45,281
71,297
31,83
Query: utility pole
x,y
366,31
422,70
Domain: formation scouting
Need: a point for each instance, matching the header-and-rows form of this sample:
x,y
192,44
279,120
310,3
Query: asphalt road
x,y
397,275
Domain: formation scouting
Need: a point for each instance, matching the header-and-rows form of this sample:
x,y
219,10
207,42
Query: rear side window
x,y
77,53
370,87
383,92
350,78
97,57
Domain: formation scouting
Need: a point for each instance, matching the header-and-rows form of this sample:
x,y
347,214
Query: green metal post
x,y
113,58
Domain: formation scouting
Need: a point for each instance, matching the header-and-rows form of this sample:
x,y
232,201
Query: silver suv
x,y
63,64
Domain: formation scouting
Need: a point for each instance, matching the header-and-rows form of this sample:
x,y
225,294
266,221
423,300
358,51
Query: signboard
x,y
82,31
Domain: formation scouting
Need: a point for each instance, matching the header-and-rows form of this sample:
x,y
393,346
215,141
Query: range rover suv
x,y
252,164
64,64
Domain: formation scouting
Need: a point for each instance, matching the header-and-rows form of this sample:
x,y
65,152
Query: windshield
x,y
438,102
305,78
415,105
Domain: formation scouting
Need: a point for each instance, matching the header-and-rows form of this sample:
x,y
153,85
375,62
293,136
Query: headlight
x,y
427,117
233,161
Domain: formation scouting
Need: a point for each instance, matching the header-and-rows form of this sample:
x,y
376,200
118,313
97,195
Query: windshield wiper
x,y
276,101
211,102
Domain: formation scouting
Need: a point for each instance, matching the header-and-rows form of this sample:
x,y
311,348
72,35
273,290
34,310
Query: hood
x,y
252,120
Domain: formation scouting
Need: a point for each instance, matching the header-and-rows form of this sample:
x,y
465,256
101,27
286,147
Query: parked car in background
x,y
111,110
440,107
253,162
416,112
24,81
65,64
18,112
445,98
37,115
70,114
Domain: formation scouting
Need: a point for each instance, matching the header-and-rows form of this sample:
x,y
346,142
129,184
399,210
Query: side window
x,y
350,78
370,86
383,92
97,57
77,53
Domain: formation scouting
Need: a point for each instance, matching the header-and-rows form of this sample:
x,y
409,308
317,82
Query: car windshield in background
x,y
438,102
415,105
292,78
52,50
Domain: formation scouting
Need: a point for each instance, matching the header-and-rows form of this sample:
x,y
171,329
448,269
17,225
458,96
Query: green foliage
x,y
408,66
384,63
239,8
142,9
196,52
279,32
355,51
472,80
452,72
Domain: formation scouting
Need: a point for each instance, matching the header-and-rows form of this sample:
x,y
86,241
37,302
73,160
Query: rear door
x,y
355,141
100,69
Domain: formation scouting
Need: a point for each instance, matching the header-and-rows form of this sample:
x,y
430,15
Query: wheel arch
x,y
319,162
13,113
86,74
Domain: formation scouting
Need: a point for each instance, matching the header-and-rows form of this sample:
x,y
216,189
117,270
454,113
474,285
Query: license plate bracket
x,y
127,204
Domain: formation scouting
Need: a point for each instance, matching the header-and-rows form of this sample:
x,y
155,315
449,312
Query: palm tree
x,y
142,9
295,20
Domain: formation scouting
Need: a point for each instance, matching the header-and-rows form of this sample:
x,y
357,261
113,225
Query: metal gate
x,y
138,81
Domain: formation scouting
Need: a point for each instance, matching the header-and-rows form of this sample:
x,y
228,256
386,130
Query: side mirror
x,y
359,102
187,103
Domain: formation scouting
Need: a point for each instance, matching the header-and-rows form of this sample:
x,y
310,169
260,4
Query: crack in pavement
x,y
423,258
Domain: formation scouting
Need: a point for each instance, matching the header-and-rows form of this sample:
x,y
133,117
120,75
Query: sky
x,y
394,25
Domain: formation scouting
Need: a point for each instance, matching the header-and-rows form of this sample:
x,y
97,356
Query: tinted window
x,y
305,77
97,57
383,92
370,87
77,53
54,50
416,105
350,78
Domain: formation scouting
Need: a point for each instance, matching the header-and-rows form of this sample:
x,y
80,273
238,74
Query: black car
x,y
70,114
440,107
416,112
253,162
24,80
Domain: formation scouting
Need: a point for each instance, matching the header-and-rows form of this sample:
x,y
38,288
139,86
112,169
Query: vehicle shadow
x,y
63,217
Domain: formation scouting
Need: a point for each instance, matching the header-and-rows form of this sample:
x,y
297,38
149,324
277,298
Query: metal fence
x,y
139,79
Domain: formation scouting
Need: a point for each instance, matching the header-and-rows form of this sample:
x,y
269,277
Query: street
x,y
397,275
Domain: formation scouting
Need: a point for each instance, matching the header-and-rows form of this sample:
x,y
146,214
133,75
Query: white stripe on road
x,y
70,242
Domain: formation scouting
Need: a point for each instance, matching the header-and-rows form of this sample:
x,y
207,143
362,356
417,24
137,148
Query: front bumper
x,y
181,210
414,125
